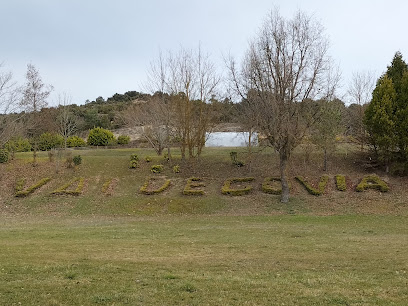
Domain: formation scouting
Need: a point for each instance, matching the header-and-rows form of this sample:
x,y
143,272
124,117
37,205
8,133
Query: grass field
x,y
261,260
125,248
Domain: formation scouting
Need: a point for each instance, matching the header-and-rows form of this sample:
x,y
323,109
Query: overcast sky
x,y
91,48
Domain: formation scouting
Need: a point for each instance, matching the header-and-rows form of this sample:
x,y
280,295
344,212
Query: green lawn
x,y
203,260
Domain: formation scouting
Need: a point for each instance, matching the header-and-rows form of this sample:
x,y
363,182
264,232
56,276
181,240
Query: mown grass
x,y
219,260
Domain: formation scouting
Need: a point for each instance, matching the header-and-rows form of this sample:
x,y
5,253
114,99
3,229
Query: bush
x,y
19,144
123,139
48,141
100,137
226,188
148,159
372,182
75,142
134,161
313,191
176,169
77,159
4,156
157,168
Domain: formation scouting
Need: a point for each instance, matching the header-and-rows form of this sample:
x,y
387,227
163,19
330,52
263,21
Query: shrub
x,y
123,139
313,191
157,168
23,193
192,183
134,157
75,142
19,144
134,161
341,182
176,169
77,159
64,189
4,156
372,182
48,141
148,159
226,188
100,137
145,188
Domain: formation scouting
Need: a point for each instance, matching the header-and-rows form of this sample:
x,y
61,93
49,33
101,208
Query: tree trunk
x,y
285,185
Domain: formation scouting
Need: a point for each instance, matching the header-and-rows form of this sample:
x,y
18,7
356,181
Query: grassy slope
x,y
127,248
215,167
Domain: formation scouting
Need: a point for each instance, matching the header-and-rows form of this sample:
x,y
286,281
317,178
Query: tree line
x,y
285,88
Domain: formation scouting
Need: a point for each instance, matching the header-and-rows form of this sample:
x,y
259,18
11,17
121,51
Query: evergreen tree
x,y
386,116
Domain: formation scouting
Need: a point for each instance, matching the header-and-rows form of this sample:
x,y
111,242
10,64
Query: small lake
x,y
230,139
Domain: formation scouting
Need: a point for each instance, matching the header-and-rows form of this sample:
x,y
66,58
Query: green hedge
x,y
63,190
313,191
372,182
21,192
226,188
192,184
144,189
341,182
267,188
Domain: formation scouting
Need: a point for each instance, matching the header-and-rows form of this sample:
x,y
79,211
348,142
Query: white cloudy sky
x,y
91,48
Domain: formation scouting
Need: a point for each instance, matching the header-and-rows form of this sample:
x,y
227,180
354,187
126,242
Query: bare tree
x,y
360,92
190,79
286,65
35,94
66,120
151,117
9,95
157,76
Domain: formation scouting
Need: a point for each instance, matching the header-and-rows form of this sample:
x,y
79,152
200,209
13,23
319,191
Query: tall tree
x,y
35,95
386,117
286,64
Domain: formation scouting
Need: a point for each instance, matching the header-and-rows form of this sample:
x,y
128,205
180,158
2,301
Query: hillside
x,y
103,166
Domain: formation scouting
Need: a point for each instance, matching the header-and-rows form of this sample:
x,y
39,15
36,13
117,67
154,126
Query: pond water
x,y
230,139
